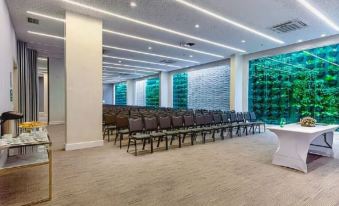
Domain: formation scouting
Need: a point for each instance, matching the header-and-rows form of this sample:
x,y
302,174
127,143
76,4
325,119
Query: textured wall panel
x,y
120,93
152,92
209,88
180,83
140,93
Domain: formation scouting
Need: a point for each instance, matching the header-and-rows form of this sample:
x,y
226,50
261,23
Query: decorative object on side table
x,y
308,122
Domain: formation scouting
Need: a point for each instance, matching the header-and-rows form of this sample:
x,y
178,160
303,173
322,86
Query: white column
x,y
131,92
236,86
83,52
164,89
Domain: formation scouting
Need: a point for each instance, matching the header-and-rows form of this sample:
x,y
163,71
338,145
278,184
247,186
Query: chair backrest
x,y
233,117
253,117
121,122
164,122
109,119
217,118
208,119
199,120
151,123
135,125
240,117
247,116
225,118
189,120
177,122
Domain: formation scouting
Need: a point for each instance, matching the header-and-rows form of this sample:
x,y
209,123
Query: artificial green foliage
x,y
120,93
295,85
180,90
152,92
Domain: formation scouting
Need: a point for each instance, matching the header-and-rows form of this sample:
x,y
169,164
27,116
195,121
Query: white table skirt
x,y
295,143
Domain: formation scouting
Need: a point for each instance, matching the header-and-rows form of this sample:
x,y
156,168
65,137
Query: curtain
x,y
28,82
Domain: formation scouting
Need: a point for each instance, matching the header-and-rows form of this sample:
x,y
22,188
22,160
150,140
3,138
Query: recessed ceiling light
x,y
112,67
119,61
243,41
142,61
161,43
300,40
323,35
151,25
197,26
133,4
149,48
46,35
320,15
150,54
229,21
191,56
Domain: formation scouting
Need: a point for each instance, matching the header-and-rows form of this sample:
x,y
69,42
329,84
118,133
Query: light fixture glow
x,y
46,35
140,67
151,25
197,26
300,40
45,16
42,59
323,35
150,54
191,56
142,61
149,48
234,23
160,43
320,15
243,41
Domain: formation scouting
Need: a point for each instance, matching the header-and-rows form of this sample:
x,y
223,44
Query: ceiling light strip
x,y
112,67
319,14
127,65
151,25
161,43
150,54
46,35
234,23
135,60
45,16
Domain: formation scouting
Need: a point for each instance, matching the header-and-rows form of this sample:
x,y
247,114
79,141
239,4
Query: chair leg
x,y
151,142
143,144
129,142
172,139
231,132
179,136
135,147
121,136
116,137
166,138
183,138
109,136
159,141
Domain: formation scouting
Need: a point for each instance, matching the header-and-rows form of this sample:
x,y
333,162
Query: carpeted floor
x,y
235,171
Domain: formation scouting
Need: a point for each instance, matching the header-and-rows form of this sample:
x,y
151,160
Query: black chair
x,y
234,123
121,128
247,118
189,127
226,125
109,125
136,133
151,126
257,123
177,124
242,123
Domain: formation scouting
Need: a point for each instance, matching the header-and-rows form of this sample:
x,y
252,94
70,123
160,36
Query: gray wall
x,y
57,91
107,94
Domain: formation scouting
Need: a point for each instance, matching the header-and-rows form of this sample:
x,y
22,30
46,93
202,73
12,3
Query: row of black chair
x,y
160,127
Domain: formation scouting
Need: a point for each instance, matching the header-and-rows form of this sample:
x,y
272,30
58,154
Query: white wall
x,y
108,94
56,91
7,56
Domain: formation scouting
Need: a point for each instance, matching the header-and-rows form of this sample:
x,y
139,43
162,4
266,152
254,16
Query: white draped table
x,y
295,142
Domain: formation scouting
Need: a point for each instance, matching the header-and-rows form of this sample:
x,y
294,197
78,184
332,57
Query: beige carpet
x,y
235,171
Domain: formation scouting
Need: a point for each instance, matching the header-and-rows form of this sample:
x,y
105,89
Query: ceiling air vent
x,y
168,61
32,20
289,26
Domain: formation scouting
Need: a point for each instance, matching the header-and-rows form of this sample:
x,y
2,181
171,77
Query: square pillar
x,y
131,85
164,89
237,83
83,61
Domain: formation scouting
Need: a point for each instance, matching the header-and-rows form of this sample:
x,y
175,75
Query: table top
x,y
25,139
298,128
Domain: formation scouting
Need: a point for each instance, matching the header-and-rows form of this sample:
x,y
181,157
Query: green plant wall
x,y
121,93
295,85
180,90
152,92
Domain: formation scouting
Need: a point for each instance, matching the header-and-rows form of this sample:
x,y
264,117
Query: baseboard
x,y
56,122
83,145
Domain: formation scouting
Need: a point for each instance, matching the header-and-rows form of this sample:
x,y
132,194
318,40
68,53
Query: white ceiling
x,y
258,14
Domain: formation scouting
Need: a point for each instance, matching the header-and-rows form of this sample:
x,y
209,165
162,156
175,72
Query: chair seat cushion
x,y
123,131
111,127
172,132
157,134
141,136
